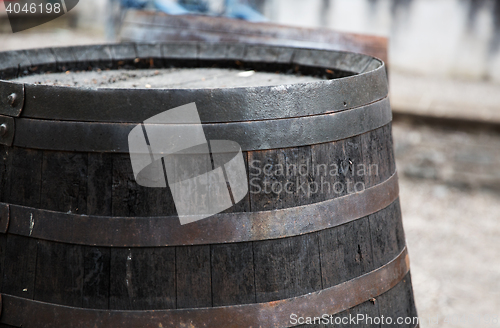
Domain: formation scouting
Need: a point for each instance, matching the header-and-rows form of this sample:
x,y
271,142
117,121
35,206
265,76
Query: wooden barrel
x,y
150,26
318,236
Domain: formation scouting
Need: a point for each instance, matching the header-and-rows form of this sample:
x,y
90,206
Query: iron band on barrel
x,y
252,135
216,105
220,228
22,312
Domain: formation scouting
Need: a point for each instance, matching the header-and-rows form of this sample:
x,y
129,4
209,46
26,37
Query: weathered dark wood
x,y
244,204
96,283
303,192
60,267
4,156
96,277
281,178
387,235
99,184
325,158
23,177
64,182
378,155
3,251
60,274
142,278
22,186
286,267
6,326
20,265
130,199
3,237
232,274
399,302
261,181
193,276
346,252
354,166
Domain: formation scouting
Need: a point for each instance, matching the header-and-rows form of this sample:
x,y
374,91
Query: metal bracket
x,y
7,126
11,98
4,220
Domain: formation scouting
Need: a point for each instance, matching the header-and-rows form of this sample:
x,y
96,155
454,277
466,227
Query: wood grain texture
x,y
346,252
131,199
20,266
60,267
23,177
142,278
378,154
59,273
262,164
64,182
387,234
193,276
399,303
286,267
232,274
4,157
97,260
325,158
244,204
22,186
99,184
3,251
96,277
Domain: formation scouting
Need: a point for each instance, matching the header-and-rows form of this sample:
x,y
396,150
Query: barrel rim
x,y
214,104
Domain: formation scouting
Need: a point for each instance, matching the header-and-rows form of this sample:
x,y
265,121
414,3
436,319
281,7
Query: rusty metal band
x,y
220,228
215,105
27,313
252,135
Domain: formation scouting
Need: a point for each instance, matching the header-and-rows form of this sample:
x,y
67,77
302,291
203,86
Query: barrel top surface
x,y
353,80
178,78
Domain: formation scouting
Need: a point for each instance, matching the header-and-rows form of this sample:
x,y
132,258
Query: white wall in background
x,y
304,13
433,37
92,14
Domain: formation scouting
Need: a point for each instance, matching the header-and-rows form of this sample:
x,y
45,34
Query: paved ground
x,y
454,248
452,224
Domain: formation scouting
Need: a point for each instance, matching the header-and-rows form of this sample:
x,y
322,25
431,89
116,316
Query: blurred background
x,y
444,73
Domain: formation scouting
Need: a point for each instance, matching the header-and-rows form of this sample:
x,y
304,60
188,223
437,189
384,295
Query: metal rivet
x,y
3,129
12,99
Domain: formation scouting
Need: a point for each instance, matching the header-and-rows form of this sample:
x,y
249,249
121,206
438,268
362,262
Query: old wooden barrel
x,y
150,26
317,238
